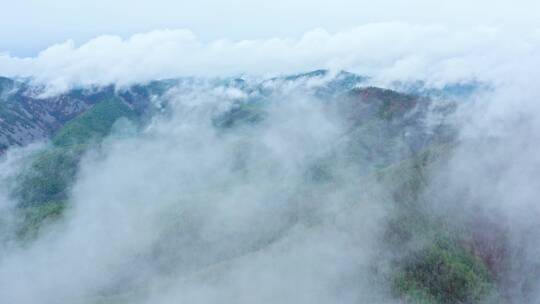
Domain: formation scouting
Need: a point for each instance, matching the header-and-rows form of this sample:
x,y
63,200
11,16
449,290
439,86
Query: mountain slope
x,y
384,141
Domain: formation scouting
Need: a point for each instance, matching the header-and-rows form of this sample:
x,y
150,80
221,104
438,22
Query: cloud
x,y
27,26
184,211
385,51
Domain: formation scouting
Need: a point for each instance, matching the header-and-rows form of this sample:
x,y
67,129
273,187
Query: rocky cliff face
x,y
26,115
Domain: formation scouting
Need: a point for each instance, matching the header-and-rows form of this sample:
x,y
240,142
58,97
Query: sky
x,y
64,44
29,26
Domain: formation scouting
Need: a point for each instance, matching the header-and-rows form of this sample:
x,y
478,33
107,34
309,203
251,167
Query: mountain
x,y
28,115
387,138
76,118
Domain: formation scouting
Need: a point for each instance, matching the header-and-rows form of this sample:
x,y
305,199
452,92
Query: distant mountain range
x,y
28,115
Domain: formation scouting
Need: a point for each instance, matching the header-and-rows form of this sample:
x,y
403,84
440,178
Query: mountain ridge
x,y
27,116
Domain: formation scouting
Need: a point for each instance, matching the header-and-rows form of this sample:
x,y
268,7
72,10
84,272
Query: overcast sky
x,y
66,43
28,26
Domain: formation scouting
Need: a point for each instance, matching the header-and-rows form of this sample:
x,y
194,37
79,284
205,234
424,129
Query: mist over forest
x,y
390,162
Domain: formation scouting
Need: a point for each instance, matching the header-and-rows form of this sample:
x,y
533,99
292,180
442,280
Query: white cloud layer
x,y
385,51
184,213
28,26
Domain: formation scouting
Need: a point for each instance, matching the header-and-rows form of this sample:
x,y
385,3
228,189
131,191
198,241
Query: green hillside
x,y
43,186
93,124
440,265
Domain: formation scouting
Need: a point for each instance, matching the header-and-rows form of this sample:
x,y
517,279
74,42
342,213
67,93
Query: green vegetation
x,y
244,113
49,175
439,265
36,217
52,171
443,272
43,186
93,124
